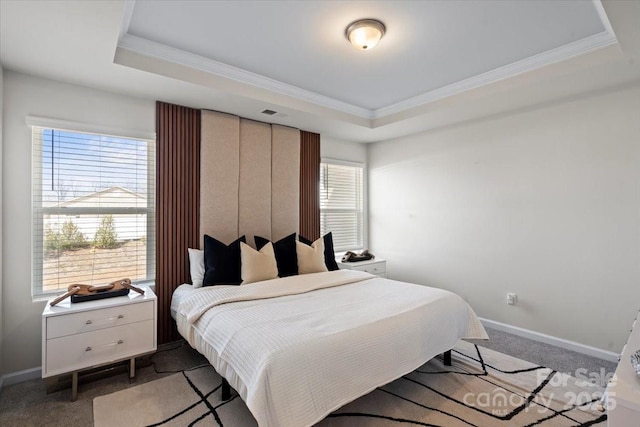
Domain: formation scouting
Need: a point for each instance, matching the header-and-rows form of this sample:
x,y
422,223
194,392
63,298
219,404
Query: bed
x,y
297,348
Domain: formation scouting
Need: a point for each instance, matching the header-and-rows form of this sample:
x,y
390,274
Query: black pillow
x,y
222,263
329,255
286,255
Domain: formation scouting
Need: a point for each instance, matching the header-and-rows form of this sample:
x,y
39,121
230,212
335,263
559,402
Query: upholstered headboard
x,y
249,178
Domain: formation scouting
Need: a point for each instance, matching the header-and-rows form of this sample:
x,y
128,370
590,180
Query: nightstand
x,y
375,266
93,333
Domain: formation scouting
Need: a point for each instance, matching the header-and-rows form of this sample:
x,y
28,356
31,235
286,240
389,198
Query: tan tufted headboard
x,y
249,178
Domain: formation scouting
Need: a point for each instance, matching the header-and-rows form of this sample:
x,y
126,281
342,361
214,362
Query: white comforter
x,y
299,347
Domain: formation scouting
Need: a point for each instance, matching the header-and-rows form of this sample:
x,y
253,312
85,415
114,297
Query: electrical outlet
x,y
512,299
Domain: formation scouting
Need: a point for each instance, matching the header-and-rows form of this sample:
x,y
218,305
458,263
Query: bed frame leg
x,y
446,358
226,390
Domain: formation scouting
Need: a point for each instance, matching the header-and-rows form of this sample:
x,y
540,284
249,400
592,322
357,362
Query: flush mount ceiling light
x,y
365,33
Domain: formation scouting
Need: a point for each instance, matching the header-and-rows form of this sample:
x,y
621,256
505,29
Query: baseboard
x,y
550,339
20,376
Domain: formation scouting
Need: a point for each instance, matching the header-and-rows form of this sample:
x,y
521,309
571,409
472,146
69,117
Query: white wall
x,y
26,95
331,148
544,203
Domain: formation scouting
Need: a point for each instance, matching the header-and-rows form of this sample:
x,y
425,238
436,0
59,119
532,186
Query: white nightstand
x,y
375,266
88,334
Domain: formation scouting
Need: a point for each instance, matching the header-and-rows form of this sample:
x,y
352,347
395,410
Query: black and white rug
x,y
482,388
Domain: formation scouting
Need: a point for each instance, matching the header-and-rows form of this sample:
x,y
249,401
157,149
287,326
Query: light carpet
x,y
483,388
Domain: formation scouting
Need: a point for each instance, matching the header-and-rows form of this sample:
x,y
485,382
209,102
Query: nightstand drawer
x,y
74,352
373,268
92,320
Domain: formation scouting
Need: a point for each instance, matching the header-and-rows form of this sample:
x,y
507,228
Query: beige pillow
x,y
258,265
311,258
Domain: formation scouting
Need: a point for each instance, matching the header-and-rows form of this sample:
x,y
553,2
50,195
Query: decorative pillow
x,y
196,267
329,255
222,262
258,265
286,255
311,258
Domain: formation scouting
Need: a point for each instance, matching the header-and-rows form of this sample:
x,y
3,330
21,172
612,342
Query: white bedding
x,y
180,293
298,348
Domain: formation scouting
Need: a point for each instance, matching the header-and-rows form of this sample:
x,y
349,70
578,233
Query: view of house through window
x,y
342,204
93,209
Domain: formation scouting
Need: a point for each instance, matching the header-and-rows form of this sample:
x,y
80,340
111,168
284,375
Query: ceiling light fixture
x,y
365,34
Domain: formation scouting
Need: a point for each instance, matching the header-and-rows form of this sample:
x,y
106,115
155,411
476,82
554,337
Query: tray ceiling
x,y
431,50
440,63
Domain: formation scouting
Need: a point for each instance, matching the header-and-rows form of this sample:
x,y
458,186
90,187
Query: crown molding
x,y
604,19
129,5
150,48
531,63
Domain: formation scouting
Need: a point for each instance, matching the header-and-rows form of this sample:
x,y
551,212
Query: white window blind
x,y
93,209
342,204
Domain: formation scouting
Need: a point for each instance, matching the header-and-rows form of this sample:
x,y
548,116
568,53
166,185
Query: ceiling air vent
x,y
269,112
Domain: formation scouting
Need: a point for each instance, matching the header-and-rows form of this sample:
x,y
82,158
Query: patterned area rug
x,y
482,388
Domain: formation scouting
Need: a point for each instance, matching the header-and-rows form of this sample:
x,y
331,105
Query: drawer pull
x,y
106,345
108,319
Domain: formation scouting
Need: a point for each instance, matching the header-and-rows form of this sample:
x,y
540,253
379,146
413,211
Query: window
x,y
342,203
93,209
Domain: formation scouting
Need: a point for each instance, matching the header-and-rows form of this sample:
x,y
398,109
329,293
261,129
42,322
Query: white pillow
x,y
311,258
258,265
196,267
